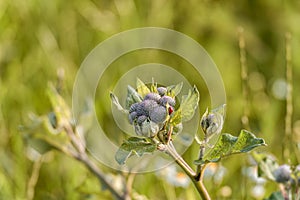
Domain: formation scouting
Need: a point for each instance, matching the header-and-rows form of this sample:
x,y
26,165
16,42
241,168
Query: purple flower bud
x,y
141,119
132,117
149,105
140,109
158,114
162,91
166,99
134,107
282,174
152,96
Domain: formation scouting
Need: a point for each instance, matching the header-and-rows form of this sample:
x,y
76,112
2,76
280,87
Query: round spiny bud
x,y
166,99
152,96
162,91
158,114
212,123
141,119
140,109
149,105
132,117
134,107
282,174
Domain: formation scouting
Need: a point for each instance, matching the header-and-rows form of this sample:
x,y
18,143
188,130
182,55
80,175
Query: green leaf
x,y
132,97
153,87
246,142
134,145
228,145
116,102
174,90
42,136
187,107
142,89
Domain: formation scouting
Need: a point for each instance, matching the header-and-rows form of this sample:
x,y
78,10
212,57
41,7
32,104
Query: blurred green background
x,y
39,37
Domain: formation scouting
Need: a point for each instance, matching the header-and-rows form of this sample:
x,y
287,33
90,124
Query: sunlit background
x,y
38,39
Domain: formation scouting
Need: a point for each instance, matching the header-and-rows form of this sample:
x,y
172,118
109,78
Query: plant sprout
x,y
151,111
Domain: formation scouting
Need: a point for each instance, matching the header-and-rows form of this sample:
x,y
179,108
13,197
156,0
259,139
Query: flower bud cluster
x,y
149,115
282,174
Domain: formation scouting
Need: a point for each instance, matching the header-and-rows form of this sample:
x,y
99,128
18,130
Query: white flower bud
x,y
147,129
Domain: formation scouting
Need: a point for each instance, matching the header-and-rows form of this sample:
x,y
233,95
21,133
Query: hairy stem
x,y
197,181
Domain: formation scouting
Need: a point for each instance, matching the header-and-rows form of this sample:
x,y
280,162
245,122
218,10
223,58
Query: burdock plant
x,y
157,117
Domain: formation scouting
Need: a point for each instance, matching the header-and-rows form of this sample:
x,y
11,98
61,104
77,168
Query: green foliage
x,y
134,146
141,88
228,145
132,97
39,37
174,90
116,102
187,108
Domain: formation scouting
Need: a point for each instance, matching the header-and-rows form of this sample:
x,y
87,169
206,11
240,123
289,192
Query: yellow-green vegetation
x,y
46,41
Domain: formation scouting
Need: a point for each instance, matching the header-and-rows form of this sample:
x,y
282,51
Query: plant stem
x,y
289,99
244,76
82,156
34,177
100,175
198,182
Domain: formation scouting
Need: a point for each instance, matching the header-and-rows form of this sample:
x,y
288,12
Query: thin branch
x,y
200,157
34,177
198,183
289,98
128,185
173,153
244,76
82,156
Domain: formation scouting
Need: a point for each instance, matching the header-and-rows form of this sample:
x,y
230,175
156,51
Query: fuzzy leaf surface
x,y
228,145
187,107
133,146
132,97
174,90
116,102
142,89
